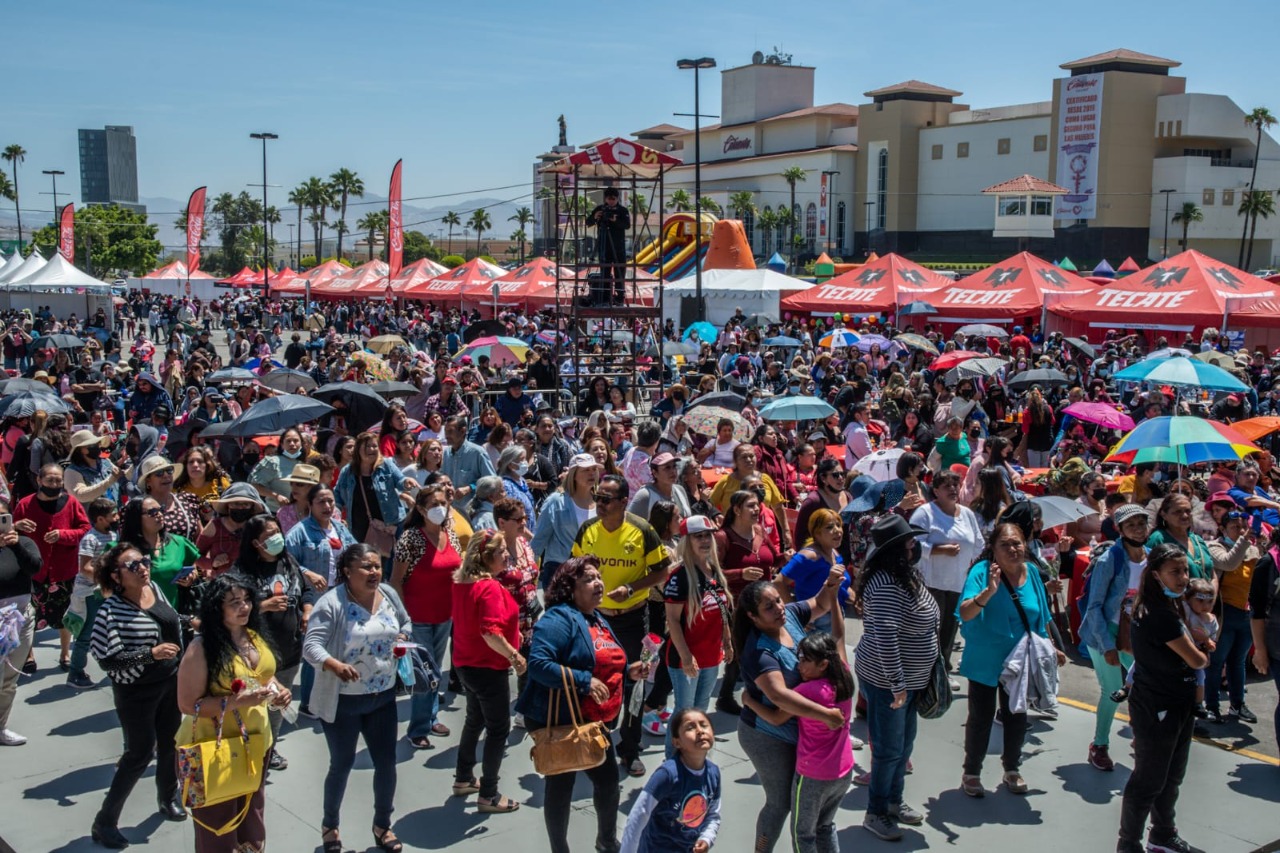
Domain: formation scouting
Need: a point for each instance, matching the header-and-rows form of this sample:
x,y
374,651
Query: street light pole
x,y
829,174
266,241
697,65
53,175
1166,194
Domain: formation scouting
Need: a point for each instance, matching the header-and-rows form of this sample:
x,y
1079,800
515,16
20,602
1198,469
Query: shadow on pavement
x,y
102,721
139,834
1090,784
1256,780
442,826
953,810
87,780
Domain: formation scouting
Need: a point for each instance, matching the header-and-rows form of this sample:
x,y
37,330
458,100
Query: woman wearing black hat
x,y
894,659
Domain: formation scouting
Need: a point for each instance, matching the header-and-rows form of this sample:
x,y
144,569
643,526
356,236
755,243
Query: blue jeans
x,y
893,734
1234,642
372,715
425,707
690,692
80,648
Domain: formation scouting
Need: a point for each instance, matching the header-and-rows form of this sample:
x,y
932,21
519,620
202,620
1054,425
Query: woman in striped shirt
x,y
137,639
895,656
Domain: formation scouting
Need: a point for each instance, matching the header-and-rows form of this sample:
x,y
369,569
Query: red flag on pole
x,y
395,229
67,233
195,229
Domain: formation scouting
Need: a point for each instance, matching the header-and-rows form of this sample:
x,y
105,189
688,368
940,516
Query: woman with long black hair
x,y
1161,704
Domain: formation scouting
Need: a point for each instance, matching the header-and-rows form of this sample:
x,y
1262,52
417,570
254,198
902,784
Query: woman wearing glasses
x,y
142,523
137,639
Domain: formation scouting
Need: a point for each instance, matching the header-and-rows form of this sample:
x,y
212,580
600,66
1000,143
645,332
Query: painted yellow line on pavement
x,y
1247,753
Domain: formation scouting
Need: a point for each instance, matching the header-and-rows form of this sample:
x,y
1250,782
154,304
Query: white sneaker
x,y
857,742
955,685
9,738
517,721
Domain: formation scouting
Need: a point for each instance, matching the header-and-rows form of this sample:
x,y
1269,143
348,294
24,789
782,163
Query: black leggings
x,y
557,797
488,710
661,689
150,718
1161,745
977,732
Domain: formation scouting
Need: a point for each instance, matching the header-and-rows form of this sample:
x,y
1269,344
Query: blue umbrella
x,y
254,364
916,307
706,332
797,408
276,414
782,341
1180,370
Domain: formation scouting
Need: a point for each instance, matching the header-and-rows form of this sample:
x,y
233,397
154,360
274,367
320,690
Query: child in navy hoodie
x,y
679,809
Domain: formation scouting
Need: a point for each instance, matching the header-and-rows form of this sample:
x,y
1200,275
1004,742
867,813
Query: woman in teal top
x,y
992,626
953,448
1173,526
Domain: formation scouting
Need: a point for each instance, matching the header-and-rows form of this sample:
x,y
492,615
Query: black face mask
x,y
241,514
1098,494
93,452
914,554
131,450
50,494
1133,543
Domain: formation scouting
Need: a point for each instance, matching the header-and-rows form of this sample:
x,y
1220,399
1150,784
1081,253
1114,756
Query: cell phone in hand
x,y
1257,524
184,573
6,523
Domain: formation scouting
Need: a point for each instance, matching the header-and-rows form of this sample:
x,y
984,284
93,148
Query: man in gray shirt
x,y
464,462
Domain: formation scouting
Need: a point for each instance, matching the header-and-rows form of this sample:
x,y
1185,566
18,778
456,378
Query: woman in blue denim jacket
x,y
386,487
563,513
318,540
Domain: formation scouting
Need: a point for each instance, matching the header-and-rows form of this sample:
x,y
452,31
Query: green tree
x,y
109,239
1252,205
230,215
523,217
298,198
15,154
319,198
710,205
767,221
680,202
6,188
1190,212
452,261
373,222
520,237
792,176
741,203
249,242
345,184
452,220
479,223
418,246
1260,119
785,223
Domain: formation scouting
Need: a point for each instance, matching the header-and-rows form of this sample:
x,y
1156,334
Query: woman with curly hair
x,y
200,475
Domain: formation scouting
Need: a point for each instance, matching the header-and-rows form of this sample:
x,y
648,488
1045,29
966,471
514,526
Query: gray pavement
x,y
52,787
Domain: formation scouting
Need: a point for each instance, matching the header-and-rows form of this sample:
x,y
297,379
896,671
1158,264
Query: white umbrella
x,y
1057,511
882,465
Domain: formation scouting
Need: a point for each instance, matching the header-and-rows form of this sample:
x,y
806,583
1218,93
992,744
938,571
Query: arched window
x,y
749,225
882,187
840,223
811,226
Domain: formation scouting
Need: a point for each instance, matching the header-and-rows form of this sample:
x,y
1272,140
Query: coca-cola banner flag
x,y
395,227
195,229
67,233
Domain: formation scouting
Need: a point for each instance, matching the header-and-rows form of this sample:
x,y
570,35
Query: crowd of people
x,y
614,544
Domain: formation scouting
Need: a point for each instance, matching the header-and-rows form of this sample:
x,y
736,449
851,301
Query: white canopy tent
x,y
724,291
57,273
5,261
59,285
33,262
172,280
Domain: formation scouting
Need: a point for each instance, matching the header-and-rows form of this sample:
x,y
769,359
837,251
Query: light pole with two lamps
x,y
266,242
697,65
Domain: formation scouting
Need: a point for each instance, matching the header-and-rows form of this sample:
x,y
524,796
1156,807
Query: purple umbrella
x,y
1102,414
864,343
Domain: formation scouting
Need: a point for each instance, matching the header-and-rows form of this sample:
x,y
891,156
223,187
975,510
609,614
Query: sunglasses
x,y
1204,596
136,566
604,499
1235,515
153,513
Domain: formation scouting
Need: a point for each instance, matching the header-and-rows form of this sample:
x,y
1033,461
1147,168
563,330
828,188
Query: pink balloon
x,y
831,321
786,315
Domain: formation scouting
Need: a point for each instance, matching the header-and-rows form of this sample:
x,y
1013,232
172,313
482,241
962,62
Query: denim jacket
x,y
562,637
309,545
388,481
1106,596
557,528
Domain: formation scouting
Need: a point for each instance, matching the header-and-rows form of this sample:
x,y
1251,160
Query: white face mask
x,y
437,515
522,469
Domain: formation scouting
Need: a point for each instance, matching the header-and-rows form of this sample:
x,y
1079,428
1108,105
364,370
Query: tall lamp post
x,y
266,226
53,176
1165,250
697,65
830,175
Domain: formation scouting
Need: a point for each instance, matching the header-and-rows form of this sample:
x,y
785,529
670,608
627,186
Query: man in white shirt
x,y
856,441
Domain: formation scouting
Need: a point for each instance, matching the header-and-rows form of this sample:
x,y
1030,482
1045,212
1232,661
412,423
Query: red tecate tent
x,y
297,286
450,286
1129,266
1017,288
346,284
423,269
879,286
523,284
245,278
175,270
1189,290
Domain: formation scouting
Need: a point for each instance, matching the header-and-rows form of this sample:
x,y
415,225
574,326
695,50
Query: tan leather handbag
x,y
564,749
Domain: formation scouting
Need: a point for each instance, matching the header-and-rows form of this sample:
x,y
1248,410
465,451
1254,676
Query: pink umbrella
x,y
1102,414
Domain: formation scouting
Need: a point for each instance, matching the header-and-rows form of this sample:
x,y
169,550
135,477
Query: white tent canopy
x,y
4,262
57,273
33,262
724,291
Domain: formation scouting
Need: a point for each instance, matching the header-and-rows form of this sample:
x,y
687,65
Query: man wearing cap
x,y
464,462
612,222
447,401
213,408
1230,408
219,539
514,403
664,486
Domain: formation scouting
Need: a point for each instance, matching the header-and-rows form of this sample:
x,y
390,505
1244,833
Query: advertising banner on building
x,y
1079,133
195,229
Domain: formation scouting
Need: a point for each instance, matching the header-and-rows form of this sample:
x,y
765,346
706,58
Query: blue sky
x,y
468,93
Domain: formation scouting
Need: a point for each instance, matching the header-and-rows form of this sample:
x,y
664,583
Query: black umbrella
x,y
391,390
1043,376
24,404
917,307
275,414
288,381
58,341
1084,347
231,374
21,383
724,399
360,404
758,320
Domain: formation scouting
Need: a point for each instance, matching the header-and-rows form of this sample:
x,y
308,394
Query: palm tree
x,y
319,197
344,183
741,203
791,176
1189,213
786,221
1260,119
451,219
372,222
522,217
767,222
680,202
1253,205
710,205
298,196
479,223
15,154
6,188
520,237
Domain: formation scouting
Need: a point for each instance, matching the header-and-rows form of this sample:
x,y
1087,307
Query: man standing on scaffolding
x,y
612,222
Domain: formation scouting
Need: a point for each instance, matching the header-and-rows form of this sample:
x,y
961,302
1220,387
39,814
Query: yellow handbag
x,y
217,771
577,746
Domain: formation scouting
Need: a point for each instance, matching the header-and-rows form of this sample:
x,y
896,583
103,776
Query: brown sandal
x,y
331,845
387,841
466,789
498,805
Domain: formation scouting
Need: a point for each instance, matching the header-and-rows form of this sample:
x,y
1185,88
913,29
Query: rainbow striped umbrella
x,y
839,338
1181,440
500,350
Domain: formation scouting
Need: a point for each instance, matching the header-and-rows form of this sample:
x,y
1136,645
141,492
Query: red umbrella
x,y
948,360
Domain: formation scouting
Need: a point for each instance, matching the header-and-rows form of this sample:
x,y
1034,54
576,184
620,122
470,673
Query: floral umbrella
x,y
374,367
500,350
703,420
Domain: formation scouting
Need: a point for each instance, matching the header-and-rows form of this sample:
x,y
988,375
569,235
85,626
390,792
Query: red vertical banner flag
x,y
395,227
195,229
67,233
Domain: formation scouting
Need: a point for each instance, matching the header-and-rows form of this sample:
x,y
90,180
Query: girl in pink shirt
x,y
824,758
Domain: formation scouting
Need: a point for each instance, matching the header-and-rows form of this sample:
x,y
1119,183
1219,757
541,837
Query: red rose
x,y
399,651
237,685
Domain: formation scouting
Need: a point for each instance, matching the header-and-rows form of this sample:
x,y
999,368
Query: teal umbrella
x,y
797,408
706,332
1180,370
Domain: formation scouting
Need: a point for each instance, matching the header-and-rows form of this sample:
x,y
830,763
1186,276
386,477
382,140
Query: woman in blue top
x,y
372,488
992,625
766,633
803,576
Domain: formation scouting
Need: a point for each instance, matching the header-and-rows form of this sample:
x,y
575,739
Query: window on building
x,y
882,187
962,150
936,152
1040,142
811,227
1042,205
840,226
1228,198
749,225
1160,129
1003,145
1013,206
1177,128
1208,198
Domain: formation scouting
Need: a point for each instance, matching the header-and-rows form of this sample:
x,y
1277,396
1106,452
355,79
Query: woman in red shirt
x,y
422,569
486,646
772,460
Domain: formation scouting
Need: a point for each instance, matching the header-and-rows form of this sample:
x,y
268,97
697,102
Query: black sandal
x,y
331,845
387,840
